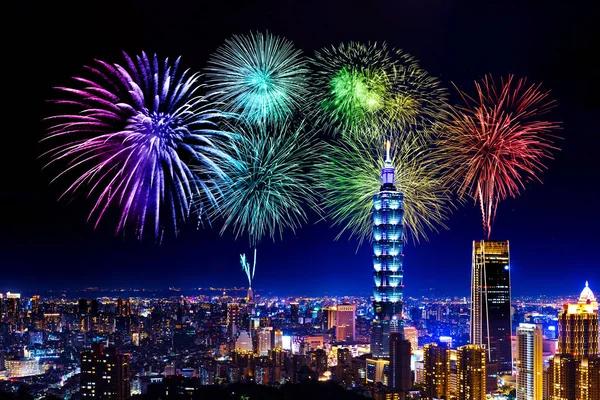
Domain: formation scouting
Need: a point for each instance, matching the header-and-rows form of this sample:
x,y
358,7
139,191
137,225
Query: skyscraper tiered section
x,y
388,228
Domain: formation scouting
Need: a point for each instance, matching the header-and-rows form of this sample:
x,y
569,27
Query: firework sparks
x,y
260,76
351,176
246,268
498,141
367,89
134,130
272,182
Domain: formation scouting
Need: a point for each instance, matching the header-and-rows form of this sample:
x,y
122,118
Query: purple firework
x,y
130,139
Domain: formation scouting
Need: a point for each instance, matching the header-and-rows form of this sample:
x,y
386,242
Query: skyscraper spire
x,y
388,160
388,171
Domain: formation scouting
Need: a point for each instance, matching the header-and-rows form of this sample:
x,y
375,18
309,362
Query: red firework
x,y
498,141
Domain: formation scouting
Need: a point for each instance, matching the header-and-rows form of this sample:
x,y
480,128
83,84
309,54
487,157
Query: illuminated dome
x,y
586,295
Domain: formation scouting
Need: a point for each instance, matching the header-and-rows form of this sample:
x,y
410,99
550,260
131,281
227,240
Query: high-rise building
x,y
471,372
295,312
574,373
490,302
244,342
345,323
124,307
436,363
400,378
234,318
329,318
588,378
264,340
377,370
278,339
412,335
578,326
529,362
562,377
13,306
104,374
388,228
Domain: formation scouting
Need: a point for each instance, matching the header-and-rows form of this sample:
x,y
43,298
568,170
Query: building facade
x,y
436,365
104,374
387,260
400,379
529,362
574,373
490,302
345,323
471,363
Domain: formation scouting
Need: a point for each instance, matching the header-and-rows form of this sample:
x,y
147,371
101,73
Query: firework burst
x,y
367,89
272,182
498,141
131,137
259,76
351,175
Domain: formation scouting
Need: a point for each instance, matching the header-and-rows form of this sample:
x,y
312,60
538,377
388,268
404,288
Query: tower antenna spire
x,y
387,152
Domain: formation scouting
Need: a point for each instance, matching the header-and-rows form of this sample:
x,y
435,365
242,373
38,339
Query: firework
x,y
351,176
272,182
367,89
249,272
498,141
129,137
260,76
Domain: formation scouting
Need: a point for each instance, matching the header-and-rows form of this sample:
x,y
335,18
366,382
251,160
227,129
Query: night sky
x,y
552,226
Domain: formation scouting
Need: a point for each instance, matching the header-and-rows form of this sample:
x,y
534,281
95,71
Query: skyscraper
x,y
104,374
588,378
345,322
529,362
574,373
436,363
471,371
387,260
490,302
578,326
400,352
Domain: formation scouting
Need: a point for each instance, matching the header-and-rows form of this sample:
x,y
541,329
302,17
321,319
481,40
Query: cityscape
x,y
287,201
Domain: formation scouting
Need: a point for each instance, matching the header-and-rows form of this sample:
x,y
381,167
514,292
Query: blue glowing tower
x,y
387,260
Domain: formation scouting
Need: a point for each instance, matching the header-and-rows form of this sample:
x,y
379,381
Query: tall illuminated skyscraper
x,y
578,326
387,260
574,373
490,302
345,322
529,362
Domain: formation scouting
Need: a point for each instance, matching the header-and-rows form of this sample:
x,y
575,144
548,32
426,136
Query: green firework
x,y
365,90
351,175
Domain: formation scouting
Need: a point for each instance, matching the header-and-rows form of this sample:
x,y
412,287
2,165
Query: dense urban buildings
x,y
387,260
491,302
179,341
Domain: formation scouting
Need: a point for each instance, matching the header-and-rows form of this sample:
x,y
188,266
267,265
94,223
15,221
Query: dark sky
x,y
552,226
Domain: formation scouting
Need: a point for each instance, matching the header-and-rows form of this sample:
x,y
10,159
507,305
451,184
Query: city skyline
x,y
47,244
